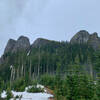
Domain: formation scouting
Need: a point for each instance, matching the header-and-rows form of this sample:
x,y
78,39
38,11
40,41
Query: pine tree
x,y
98,87
9,94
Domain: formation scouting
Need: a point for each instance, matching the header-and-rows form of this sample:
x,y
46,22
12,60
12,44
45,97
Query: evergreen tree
x,y
98,87
9,94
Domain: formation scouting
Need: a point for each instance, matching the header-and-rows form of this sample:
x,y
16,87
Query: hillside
x,y
21,58
71,70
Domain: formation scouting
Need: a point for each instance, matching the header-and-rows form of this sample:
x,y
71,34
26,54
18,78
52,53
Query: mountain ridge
x,y
23,43
44,56
80,37
13,46
83,36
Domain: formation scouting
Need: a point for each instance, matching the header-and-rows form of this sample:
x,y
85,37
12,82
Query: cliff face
x,y
94,41
10,45
14,46
21,44
84,37
80,37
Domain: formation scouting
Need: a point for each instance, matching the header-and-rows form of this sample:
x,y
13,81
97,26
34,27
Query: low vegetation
x,y
9,94
34,89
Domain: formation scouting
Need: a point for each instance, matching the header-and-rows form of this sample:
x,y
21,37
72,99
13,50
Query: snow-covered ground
x,y
29,96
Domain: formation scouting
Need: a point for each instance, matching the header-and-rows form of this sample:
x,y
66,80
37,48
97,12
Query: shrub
x,y
19,85
48,81
9,94
34,89
18,97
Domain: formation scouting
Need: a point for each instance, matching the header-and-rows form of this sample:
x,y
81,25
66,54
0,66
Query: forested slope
x,y
44,56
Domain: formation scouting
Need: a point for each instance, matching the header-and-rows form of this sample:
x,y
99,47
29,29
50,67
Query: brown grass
x,y
51,98
49,91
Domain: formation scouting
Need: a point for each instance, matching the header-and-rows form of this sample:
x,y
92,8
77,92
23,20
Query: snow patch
x,y
29,96
40,86
3,95
32,96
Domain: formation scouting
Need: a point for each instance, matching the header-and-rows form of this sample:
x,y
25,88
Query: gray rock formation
x,y
80,37
21,44
84,37
94,41
10,45
13,46
40,42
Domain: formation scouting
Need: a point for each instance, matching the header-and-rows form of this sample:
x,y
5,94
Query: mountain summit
x,y
21,44
80,37
10,45
84,37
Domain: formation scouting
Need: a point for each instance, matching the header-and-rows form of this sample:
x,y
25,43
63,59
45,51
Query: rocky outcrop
x,y
14,46
10,45
80,37
21,44
94,41
84,37
40,42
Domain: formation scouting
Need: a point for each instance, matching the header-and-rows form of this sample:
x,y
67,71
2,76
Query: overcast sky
x,y
51,19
